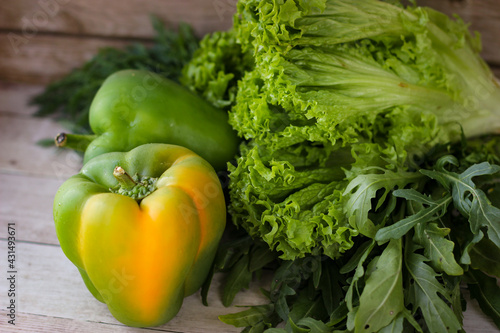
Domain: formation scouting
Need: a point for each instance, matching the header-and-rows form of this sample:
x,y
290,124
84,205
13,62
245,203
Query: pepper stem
x,y
77,142
127,182
136,187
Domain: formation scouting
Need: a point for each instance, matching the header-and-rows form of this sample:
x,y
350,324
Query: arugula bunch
x,y
408,277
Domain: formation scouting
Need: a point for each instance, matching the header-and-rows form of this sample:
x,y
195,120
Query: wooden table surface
x,y
49,293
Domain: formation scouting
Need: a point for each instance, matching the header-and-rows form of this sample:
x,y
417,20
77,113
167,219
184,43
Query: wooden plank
x,y
40,323
29,18
49,285
113,18
44,58
27,202
15,97
482,15
21,154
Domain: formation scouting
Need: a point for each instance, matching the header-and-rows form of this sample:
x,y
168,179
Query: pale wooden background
x,y
50,38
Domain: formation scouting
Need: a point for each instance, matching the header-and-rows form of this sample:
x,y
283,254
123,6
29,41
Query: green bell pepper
x,y
135,107
142,227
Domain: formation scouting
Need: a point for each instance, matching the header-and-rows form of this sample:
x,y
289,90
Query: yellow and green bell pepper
x,y
142,227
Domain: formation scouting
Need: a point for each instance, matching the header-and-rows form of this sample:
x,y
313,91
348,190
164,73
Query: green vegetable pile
x,y
369,164
367,185
329,111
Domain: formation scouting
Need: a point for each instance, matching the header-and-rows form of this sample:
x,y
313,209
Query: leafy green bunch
x,y
408,277
367,165
344,93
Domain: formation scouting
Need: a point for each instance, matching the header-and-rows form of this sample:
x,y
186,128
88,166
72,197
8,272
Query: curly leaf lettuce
x,y
291,206
363,88
332,96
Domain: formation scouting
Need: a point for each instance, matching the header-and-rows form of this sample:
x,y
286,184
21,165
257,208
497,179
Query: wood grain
x,y
45,58
114,18
51,297
15,97
27,201
78,31
39,323
21,154
41,41
50,294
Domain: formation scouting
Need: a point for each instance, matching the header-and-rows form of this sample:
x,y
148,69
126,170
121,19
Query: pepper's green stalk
x,y
78,142
135,187
124,178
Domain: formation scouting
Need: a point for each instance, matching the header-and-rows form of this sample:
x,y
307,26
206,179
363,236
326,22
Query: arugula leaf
x,y
363,188
382,298
260,257
486,291
281,303
305,307
435,210
437,248
358,257
482,213
339,314
469,244
313,325
425,292
396,326
457,302
358,274
329,286
467,198
237,279
409,317
230,251
485,256
250,317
